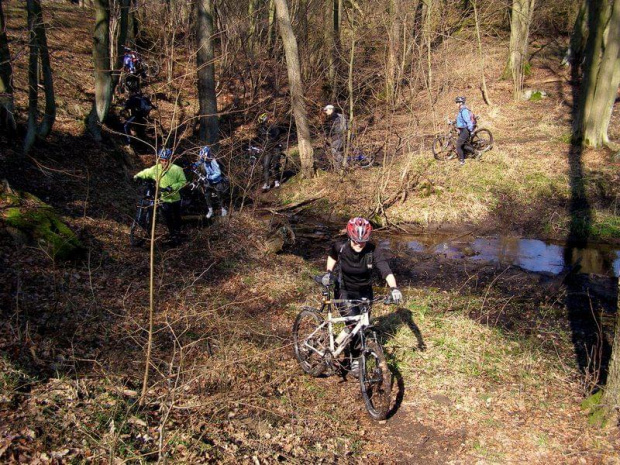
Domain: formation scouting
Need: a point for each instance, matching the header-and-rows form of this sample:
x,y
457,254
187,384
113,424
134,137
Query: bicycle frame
x,y
363,321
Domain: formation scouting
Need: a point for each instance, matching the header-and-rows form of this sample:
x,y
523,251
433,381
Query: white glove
x,y
326,280
397,296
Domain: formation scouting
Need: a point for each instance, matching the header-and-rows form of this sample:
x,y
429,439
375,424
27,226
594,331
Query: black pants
x,y
460,143
218,192
272,164
366,292
171,211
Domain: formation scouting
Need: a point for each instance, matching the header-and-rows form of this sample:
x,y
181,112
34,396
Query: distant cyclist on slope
x,y
465,125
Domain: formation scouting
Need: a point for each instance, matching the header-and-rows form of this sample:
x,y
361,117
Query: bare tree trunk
x,y
48,82
253,10
611,394
33,72
331,47
271,28
209,129
392,74
306,154
7,108
521,18
485,92
121,41
601,75
574,54
101,58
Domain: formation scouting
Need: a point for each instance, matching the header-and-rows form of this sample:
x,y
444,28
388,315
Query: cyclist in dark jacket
x,y
270,135
358,258
137,109
335,132
465,126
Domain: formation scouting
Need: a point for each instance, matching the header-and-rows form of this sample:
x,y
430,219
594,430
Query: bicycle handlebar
x,y
387,300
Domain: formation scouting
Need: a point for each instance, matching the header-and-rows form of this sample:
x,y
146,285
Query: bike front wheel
x,y
140,228
443,148
311,341
481,141
151,69
375,381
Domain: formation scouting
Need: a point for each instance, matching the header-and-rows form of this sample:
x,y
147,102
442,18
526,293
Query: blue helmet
x,y
206,153
165,154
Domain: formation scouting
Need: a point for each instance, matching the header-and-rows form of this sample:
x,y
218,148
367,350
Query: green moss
x,y
40,224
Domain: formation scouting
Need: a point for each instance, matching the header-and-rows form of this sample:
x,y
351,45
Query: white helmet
x,y
328,108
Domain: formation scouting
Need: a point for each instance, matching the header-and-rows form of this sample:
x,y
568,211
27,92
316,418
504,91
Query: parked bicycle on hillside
x,y
444,145
318,351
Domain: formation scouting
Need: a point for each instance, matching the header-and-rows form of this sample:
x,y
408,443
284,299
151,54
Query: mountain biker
x,y
335,132
136,109
217,185
269,135
171,179
465,126
357,258
132,63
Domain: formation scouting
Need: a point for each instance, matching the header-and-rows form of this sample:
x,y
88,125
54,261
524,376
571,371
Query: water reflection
x,y
529,254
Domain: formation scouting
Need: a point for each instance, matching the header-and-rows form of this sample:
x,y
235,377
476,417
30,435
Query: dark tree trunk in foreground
x,y
209,127
289,41
601,75
121,40
6,79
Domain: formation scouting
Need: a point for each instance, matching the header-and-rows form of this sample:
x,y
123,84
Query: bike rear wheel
x,y
443,148
310,341
375,380
481,141
151,69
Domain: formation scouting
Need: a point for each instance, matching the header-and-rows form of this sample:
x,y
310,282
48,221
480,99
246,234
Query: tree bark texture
x,y
601,75
392,75
611,394
7,108
520,21
121,40
48,81
205,56
330,43
33,72
101,59
289,41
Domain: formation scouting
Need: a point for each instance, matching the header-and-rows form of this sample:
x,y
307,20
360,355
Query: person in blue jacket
x,y
465,125
216,183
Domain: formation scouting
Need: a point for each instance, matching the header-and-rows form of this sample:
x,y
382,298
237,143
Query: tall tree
x,y
394,36
205,57
101,59
611,394
38,52
601,75
289,41
520,20
6,78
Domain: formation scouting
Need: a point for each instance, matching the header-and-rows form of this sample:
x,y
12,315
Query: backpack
x,y
472,118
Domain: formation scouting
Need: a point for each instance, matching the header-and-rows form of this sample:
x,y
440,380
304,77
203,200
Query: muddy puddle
x,y
528,254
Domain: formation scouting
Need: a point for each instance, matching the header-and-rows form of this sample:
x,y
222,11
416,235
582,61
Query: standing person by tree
x,y
465,125
171,179
137,109
335,132
270,134
216,183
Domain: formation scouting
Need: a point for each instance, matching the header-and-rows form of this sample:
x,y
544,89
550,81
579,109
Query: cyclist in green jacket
x,y
171,179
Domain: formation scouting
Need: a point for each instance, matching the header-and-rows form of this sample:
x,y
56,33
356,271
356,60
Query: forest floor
x,y
491,363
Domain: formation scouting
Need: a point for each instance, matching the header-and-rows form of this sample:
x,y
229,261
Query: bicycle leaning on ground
x,y
444,145
318,351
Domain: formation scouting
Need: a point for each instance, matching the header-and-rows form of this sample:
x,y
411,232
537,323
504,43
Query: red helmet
x,y
359,229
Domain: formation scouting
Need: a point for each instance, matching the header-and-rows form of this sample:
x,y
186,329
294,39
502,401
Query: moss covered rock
x,y
30,220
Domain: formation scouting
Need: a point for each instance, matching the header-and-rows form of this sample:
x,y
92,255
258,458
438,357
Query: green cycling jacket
x,y
172,177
